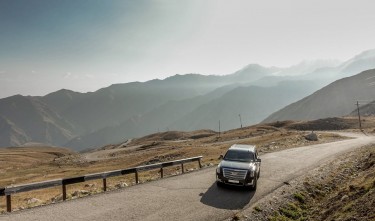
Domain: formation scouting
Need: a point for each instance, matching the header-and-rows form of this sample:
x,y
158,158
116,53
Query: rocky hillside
x,y
336,99
26,119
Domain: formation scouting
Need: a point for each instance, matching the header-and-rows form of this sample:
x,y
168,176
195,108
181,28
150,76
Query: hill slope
x,y
252,103
336,99
367,110
224,104
24,119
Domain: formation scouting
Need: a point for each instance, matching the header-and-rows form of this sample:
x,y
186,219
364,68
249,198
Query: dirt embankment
x,y
340,190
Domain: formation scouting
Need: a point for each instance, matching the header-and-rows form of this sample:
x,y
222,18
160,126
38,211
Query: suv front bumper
x,y
249,181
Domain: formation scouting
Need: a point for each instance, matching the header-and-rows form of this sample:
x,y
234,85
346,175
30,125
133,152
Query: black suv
x,y
240,166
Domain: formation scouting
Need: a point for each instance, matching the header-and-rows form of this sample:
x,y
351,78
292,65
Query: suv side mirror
x,y
259,160
221,157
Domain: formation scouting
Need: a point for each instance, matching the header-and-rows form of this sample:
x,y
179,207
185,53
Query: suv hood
x,y
237,165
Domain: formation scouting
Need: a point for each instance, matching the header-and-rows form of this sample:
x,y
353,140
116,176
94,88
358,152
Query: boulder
x,y
90,185
57,198
33,200
311,137
121,185
80,192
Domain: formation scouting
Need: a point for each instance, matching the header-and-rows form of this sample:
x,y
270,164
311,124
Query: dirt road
x,y
193,196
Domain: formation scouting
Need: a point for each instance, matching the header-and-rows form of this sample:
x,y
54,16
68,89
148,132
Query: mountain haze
x,y
251,102
181,102
224,104
322,74
336,99
65,116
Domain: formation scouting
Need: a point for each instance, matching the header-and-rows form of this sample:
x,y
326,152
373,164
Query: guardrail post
x,y
64,192
104,184
161,172
136,177
9,203
199,162
182,168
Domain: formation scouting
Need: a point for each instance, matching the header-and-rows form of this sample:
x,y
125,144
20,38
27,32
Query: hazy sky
x,y
83,45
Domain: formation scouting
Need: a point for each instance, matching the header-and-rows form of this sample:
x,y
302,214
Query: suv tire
x,y
254,187
258,174
219,184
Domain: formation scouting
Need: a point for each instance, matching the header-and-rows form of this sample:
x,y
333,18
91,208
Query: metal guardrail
x,y
9,190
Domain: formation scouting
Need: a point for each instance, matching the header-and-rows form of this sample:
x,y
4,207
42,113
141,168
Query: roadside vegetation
x,y
341,190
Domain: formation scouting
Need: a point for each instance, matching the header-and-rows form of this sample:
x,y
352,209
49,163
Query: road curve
x,y
193,196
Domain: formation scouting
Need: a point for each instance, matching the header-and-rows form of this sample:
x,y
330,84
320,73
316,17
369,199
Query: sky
x,y
84,45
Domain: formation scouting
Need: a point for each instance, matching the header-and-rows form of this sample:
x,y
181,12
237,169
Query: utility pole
x,y
359,116
219,128
240,119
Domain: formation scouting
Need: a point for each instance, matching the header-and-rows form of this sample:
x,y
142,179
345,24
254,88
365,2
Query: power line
x,y
365,102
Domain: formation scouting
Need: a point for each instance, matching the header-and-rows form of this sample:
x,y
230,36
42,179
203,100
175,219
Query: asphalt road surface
x,y
193,196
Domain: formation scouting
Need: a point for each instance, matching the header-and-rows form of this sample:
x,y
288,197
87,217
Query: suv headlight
x,y
252,171
218,169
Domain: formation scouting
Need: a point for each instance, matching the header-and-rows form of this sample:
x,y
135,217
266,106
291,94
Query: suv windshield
x,y
236,155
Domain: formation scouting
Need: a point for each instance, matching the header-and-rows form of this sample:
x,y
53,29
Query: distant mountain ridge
x,y
367,110
27,119
181,102
224,104
61,116
336,99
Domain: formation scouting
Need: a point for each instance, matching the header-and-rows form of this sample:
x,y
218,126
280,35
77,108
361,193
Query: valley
x,y
194,191
160,147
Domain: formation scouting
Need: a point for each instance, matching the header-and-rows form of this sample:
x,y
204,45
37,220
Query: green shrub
x,y
257,209
300,197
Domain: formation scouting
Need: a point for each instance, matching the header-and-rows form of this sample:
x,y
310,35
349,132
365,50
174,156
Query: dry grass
x,y
27,156
335,123
25,165
344,190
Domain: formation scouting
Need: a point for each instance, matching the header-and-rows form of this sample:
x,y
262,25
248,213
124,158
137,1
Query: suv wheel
x,y
219,184
254,187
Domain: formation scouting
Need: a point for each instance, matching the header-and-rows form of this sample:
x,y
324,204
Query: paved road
x,y
192,196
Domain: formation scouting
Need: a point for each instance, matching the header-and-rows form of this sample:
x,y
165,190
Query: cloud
x,y
89,76
7,77
67,75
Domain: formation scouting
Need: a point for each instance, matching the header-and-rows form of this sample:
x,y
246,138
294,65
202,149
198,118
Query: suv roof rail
x,y
243,147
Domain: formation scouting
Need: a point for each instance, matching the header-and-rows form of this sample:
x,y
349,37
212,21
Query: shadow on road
x,y
227,197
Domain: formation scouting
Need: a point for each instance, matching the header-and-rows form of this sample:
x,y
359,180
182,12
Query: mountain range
x,y
336,99
181,102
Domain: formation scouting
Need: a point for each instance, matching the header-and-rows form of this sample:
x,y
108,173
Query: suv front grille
x,y
234,174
